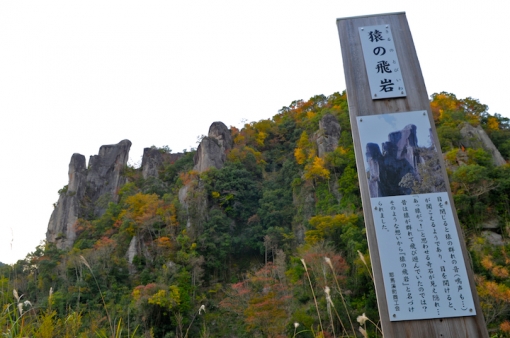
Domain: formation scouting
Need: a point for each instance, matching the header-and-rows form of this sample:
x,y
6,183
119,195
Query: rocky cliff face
x,y
61,226
398,158
328,134
152,161
104,177
211,151
88,192
476,137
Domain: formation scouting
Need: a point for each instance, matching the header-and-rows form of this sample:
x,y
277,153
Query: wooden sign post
x,y
423,277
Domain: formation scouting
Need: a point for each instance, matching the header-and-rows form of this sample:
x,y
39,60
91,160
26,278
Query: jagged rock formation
x,y
61,225
493,238
398,158
477,138
104,177
328,134
211,151
88,192
138,248
152,161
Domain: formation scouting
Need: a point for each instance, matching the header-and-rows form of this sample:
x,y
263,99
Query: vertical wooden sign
x,y
423,278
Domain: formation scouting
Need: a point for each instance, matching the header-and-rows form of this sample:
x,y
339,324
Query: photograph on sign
x,y
421,258
400,157
381,62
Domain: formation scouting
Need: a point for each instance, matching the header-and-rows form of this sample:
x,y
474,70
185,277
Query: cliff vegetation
x,y
257,233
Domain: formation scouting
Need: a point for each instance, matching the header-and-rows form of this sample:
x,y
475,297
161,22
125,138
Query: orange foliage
x,y
164,242
263,299
441,103
505,326
189,176
496,270
104,242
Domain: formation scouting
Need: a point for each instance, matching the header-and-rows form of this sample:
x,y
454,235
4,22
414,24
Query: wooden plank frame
x,y
361,104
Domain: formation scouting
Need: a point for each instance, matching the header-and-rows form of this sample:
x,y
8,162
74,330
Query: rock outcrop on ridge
x,y
212,149
328,134
152,161
210,153
61,225
476,137
88,192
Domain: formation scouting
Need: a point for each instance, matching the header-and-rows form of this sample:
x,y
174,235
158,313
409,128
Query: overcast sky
x,y
75,75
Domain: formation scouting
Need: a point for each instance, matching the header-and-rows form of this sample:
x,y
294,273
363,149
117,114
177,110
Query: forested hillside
x,y
270,242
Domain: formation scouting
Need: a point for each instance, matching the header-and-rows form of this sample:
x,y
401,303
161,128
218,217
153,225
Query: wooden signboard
x,y
423,277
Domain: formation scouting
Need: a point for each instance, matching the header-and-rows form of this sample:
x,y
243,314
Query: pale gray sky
x,y
77,75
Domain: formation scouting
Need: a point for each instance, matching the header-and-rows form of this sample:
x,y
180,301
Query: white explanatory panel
x,y
423,268
381,62
424,273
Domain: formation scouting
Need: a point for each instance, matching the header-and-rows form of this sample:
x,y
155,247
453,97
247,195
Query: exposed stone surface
x,y
220,132
61,228
88,192
400,157
212,148
171,158
183,199
476,137
490,224
104,177
138,248
305,197
387,168
152,161
328,134
132,250
493,238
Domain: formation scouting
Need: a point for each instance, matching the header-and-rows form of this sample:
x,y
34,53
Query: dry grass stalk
x,y
328,261
313,294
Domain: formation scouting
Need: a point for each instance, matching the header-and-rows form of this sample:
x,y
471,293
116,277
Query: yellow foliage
x,y
261,136
215,194
316,170
264,125
342,150
239,139
300,155
169,215
47,328
136,293
494,298
442,103
140,205
166,299
239,154
325,226
492,123
303,141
